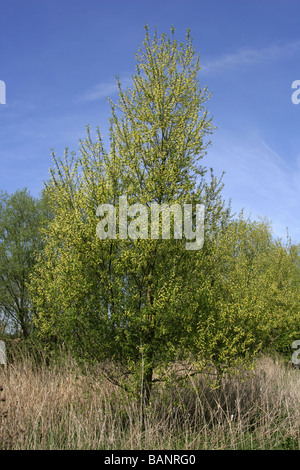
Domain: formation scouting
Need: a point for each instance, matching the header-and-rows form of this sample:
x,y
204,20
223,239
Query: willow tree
x,y
248,295
116,296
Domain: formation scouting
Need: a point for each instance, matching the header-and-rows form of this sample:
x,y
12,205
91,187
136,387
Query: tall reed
x,y
62,406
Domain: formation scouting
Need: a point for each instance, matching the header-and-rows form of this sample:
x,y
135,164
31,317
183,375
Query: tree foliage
x,y
21,217
140,301
249,294
128,299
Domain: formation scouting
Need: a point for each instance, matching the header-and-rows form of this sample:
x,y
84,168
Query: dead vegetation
x,y
60,406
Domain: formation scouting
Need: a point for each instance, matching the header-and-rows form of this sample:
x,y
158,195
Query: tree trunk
x,y
146,391
147,382
148,364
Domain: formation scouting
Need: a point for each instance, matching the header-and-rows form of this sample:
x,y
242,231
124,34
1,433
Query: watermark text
x,y
134,222
296,354
2,92
296,94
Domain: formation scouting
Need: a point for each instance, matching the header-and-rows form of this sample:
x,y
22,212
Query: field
x,y
62,406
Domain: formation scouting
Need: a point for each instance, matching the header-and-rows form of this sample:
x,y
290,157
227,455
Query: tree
x,y
129,298
144,301
21,217
249,295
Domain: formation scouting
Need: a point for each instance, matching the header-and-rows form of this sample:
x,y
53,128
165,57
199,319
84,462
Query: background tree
x,y
249,295
21,217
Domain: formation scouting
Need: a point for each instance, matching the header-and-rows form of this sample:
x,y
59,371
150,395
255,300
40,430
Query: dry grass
x,y
63,407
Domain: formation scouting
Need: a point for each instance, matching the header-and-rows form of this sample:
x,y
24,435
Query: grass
x,y
64,407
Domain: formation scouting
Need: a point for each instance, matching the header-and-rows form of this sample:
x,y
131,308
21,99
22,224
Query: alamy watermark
x,y
296,354
2,353
296,94
2,92
139,226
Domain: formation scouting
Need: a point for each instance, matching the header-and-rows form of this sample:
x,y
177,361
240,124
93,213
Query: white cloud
x,y
250,56
259,180
105,89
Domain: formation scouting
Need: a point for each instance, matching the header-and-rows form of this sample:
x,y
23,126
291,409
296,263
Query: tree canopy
x,y
140,301
21,217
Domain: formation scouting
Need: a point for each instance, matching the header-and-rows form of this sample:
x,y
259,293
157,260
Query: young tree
x,y
126,298
21,217
144,301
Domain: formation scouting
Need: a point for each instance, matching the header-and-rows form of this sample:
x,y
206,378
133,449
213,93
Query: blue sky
x,y
59,58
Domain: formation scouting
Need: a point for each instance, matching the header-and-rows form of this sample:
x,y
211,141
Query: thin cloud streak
x,y
259,180
105,89
250,56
